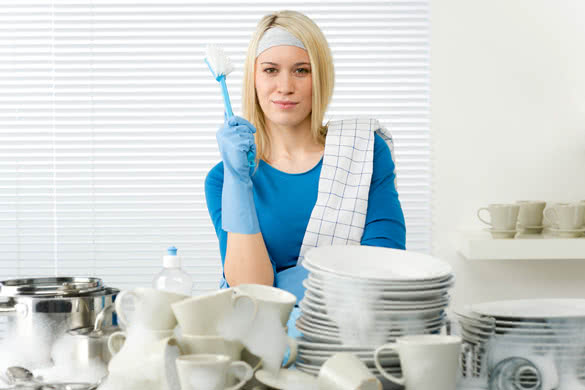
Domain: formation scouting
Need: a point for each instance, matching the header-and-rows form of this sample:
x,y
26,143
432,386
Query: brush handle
x,y
230,113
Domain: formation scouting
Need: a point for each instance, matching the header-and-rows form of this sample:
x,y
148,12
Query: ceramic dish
x,y
375,263
532,308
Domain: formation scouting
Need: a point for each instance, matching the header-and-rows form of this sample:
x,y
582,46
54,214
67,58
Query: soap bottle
x,y
173,278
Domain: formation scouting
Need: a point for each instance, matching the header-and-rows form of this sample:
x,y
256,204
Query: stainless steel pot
x,y
45,308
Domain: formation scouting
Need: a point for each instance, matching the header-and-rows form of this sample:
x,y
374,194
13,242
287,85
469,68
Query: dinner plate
x,y
394,327
286,379
381,312
380,303
388,317
374,306
375,263
317,335
388,364
384,294
321,277
314,369
532,308
315,346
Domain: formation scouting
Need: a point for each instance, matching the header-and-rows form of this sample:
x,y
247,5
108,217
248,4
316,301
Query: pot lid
x,y
57,286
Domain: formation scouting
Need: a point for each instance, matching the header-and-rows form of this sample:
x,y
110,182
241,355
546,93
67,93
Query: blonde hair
x,y
322,71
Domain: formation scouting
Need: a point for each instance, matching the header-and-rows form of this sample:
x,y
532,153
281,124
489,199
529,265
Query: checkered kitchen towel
x,y
339,215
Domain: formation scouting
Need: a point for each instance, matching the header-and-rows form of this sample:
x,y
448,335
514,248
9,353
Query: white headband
x,y
277,36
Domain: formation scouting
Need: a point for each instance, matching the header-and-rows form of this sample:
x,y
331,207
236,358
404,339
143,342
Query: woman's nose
x,y
285,83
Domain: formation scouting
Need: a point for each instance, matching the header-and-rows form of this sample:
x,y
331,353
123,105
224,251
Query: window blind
x,y
108,116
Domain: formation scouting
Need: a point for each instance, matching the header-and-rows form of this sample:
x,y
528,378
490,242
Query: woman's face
x,y
283,74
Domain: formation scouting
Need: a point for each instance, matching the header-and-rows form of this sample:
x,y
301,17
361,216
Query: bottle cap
x,y
171,260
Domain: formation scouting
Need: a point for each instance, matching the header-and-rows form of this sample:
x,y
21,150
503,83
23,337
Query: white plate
x,y
389,365
533,308
319,298
331,347
389,317
376,263
316,335
391,294
314,369
376,306
382,311
321,277
394,327
285,379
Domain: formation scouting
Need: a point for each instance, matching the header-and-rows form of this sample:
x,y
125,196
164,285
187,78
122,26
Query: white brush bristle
x,y
220,63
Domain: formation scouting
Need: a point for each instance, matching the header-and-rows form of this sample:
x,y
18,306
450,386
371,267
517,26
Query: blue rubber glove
x,y
235,139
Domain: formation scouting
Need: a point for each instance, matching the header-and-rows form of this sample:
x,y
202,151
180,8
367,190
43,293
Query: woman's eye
x,y
303,70
269,69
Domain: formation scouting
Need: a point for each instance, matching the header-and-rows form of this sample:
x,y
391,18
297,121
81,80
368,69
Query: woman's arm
x,y
244,256
247,260
385,224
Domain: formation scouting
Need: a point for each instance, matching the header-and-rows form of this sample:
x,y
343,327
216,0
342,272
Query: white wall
x,y
508,123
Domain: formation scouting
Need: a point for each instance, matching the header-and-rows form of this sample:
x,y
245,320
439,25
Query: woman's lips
x,y
285,105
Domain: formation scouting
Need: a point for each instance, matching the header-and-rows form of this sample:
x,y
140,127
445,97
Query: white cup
x,y
144,337
270,297
531,213
344,371
196,344
148,364
151,308
566,216
428,362
201,314
211,372
502,216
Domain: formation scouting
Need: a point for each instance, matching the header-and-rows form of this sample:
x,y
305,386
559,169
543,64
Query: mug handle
x,y
234,368
294,350
239,295
480,218
118,303
111,346
550,215
392,347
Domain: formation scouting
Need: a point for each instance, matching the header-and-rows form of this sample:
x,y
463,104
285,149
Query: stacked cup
x,y
141,352
566,220
213,361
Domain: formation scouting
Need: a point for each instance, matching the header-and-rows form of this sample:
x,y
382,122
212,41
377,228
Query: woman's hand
x,y
236,140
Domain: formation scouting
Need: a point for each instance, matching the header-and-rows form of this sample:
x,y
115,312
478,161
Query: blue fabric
x,y
284,202
235,139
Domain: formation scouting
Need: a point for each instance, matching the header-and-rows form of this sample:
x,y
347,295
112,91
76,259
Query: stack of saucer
x,y
525,343
360,297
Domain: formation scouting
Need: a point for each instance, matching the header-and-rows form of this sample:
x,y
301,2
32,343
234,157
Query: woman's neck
x,y
292,143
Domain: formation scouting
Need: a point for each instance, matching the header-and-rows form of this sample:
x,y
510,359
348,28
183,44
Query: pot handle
x,y
8,307
101,317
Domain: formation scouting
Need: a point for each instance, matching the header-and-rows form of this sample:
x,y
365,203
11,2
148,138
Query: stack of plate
x,y
547,334
360,297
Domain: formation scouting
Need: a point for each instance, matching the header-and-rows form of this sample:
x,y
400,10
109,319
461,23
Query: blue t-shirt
x,y
284,202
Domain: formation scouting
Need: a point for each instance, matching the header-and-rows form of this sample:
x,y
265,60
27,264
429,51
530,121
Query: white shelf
x,y
479,245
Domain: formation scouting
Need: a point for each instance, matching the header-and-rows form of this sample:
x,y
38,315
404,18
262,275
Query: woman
x,y
267,217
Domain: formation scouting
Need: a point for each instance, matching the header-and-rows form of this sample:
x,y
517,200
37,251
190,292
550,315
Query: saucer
x,y
499,233
530,229
568,233
286,378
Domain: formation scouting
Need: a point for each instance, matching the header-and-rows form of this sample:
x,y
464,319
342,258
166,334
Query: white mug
x,y
200,315
502,216
197,344
141,337
568,216
531,213
211,372
148,364
428,362
344,371
270,297
151,308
